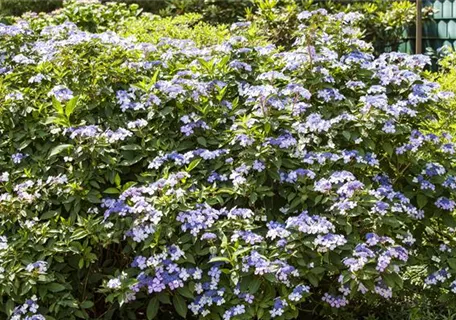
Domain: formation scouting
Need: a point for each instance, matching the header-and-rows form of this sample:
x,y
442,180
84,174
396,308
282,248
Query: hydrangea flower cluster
x,y
28,311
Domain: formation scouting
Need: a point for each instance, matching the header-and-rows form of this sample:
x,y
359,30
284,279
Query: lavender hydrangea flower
x,y
18,157
335,301
278,307
38,266
61,93
445,204
114,284
3,243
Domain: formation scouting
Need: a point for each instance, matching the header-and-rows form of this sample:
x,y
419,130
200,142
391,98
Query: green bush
x,y
150,28
128,20
16,8
89,15
220,180
212,11
446,77
383,22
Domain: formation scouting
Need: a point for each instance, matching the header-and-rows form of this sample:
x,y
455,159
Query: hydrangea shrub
x,y
233,181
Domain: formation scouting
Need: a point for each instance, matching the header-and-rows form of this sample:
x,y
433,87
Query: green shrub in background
x,y
213,11
18,7
446,77
129,20
151,28
89,15
156,7
384,21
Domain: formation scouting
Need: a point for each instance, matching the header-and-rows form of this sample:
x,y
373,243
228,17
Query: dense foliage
x,y
383,22
11,7
89,15
227,179
150,28
446,77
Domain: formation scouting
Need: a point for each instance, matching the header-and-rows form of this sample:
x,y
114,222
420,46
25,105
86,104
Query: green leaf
x,y
312,279
202,141
117,180
452,263
57,106
131,162
55,287
422,200
389,280
111,191
87,304
80,314
154,78
180,306
185,292
9,307
57,150
71,106
449,221
48,215
164,298
131,147
241,251
446,297
129,184
254,285
220,259
388,148
193,164
152,308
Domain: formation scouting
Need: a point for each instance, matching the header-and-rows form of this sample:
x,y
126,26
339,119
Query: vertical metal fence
x,y
438,31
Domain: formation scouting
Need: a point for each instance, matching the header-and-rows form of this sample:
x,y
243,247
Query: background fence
x,y
438,31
